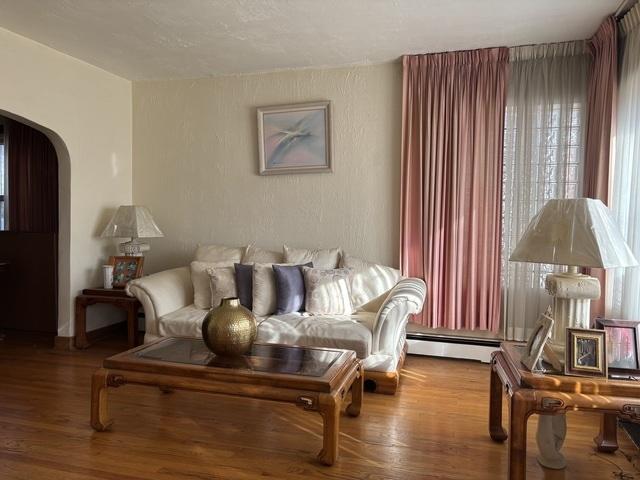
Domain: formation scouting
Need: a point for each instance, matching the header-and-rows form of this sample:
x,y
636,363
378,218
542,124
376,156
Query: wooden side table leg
x,y
99,409
521,408
496,431
329,408
81,340
356,393
132,324
607,439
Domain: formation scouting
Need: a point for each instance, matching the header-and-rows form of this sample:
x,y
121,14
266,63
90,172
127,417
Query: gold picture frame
x,y
586,353
125,269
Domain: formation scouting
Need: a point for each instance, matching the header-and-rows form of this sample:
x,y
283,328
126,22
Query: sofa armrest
x,y
406,298
161,293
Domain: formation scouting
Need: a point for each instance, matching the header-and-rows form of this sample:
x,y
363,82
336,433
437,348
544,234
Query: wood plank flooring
x,y
434,428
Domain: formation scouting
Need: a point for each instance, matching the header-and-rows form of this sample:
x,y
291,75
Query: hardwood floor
x,y
434,428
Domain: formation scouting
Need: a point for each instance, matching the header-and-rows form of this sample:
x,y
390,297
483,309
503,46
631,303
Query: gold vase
x,y
229,329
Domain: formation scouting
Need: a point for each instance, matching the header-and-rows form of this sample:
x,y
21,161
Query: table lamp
x,y
578,232
135,222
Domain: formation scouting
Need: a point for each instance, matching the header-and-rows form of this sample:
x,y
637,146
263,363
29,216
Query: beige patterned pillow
x,y
369,280
253,254
328,292
218,253
223,284
321,258
264,289
201,282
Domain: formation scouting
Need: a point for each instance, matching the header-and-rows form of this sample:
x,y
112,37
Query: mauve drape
x,y
452,132
601,117
33,181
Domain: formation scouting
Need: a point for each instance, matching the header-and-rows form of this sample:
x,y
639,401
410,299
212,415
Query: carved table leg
x,y
99,410
132,324
552,430
329,408
496,430
81,340
356,393
521,407
607,439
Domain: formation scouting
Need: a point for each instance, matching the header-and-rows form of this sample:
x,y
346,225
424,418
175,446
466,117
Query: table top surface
x,y
513,352
317,369
106,292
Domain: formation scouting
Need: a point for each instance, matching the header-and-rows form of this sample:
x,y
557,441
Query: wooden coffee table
x,y
314,379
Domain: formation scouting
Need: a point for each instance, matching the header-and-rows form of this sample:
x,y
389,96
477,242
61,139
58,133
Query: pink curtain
x,y
452,136
601,115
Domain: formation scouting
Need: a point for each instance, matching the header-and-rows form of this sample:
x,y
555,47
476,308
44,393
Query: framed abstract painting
x,y
294,138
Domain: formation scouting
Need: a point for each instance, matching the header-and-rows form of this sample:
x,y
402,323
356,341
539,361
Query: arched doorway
x,y
31,246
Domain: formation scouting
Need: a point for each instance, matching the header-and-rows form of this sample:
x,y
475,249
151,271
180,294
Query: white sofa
x,y
376,332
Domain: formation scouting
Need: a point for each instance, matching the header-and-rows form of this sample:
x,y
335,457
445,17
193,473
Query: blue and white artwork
x,y
294,139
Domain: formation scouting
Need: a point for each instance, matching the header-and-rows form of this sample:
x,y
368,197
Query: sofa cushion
x,y
218,253
290,291
328,292
223,284
202,283
264,289
350,332
369,280
253,254
321,258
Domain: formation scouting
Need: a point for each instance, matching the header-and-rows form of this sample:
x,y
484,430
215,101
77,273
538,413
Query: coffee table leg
x,y
329,408
496,431
99,410
607,439
356,393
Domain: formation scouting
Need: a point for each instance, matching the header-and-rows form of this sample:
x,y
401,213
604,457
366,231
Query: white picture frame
x,y
537,342
295,139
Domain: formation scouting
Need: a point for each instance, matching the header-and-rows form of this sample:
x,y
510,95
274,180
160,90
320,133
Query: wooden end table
x,y
314,379
552,396
112,296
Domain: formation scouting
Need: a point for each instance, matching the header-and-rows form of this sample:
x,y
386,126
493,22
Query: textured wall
x,y
195,164
87,114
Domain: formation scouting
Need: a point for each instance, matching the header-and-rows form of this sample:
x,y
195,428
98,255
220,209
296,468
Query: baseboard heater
x,y
449,346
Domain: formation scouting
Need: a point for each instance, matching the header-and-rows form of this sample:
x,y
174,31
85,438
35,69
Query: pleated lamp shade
x,y
576,232
132,221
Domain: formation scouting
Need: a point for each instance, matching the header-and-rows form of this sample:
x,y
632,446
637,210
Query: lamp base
x,y
572,293
134,248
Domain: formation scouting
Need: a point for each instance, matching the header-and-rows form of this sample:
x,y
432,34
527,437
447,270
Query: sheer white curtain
x,y
623,285
543,159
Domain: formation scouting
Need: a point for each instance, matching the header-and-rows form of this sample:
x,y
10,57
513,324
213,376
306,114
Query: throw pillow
x,y
368,280
201,282
289,288
323,258
253,254
244,284
264,289
328,292
223,284
218,253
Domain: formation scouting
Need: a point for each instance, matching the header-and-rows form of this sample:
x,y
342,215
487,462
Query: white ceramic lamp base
x,y
134,248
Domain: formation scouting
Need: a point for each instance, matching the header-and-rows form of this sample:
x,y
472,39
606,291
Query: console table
x,y
112,296
552,396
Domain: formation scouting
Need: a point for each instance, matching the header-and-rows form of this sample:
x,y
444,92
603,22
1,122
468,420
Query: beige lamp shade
x,y
132,221
576,232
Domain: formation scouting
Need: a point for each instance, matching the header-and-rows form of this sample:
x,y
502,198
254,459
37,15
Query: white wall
x,y
87,112
195,167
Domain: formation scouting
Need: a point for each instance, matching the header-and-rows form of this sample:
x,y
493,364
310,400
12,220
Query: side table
x,y
552,395
116,297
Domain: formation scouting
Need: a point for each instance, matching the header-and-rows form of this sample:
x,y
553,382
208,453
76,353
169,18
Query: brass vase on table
x,y
230,329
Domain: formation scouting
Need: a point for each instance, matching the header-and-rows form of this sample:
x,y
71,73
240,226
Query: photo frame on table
x,y
295,138
623,345
537,345
586,353
125,269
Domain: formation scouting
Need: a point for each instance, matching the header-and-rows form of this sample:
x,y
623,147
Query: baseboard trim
x,y
431,337
64,344
434,348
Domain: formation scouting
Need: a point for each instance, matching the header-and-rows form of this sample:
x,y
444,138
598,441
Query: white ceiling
x,y
158,39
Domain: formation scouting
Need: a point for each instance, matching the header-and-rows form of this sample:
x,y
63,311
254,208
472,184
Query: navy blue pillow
x,y
244,284
289,288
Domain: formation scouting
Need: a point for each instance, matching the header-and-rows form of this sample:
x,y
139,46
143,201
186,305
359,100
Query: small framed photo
x,y
586,353
125,269
294,138
623,344
537,342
